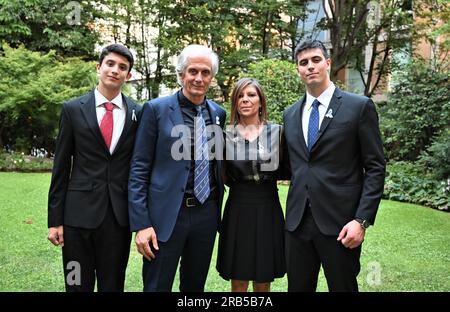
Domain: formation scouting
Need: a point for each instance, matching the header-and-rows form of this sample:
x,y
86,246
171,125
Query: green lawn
x,y
408,246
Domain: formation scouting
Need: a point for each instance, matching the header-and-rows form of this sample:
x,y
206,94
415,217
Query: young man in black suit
x,y
338,167
87,203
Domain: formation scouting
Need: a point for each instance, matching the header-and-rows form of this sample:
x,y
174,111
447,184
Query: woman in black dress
x,y
251,242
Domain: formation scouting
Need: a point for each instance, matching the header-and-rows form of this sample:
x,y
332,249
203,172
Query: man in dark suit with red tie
x,y
87,203
338,167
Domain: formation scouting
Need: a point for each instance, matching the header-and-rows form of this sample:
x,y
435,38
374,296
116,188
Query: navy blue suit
x,y
157,186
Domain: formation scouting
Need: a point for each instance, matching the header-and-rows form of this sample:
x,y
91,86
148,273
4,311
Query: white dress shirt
x,y
119,113
324,99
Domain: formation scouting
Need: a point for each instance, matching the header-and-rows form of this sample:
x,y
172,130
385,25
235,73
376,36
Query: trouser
x,y
100,253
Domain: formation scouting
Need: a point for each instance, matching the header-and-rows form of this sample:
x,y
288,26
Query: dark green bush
x,y
407,182
417,109
436,159
281,85
32,88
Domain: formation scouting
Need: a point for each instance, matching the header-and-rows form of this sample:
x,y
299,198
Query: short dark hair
x,y
310,44
118,49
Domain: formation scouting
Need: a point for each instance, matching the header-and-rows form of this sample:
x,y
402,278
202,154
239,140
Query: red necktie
x,y
107,124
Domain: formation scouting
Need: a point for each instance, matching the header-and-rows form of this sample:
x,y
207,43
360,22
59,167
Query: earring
x,y
260,111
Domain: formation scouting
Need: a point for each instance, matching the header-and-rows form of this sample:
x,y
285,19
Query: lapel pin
x,y
260,148
329,113
217,120
133,116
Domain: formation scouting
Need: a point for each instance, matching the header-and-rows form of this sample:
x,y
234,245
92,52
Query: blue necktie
x,y
201,171
313,126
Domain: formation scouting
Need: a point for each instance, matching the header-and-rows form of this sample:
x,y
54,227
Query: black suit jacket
x,y
86,177
343,175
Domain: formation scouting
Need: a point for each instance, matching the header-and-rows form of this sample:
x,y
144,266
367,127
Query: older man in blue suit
x,y
175,187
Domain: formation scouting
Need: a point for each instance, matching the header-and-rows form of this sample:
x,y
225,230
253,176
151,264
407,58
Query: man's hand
x,y
352,234
56,235
143,239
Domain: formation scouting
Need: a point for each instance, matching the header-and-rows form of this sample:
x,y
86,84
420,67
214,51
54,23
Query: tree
x,y
274,26
417,110
280,83
32,88
361,28
44,25
344,20
242,32
157,30
433,26
388,29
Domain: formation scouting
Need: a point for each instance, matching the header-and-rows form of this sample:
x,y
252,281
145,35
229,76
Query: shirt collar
x,y
100,99
324,98
186,102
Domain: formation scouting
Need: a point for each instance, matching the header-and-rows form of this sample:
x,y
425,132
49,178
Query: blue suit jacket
x,y
157,181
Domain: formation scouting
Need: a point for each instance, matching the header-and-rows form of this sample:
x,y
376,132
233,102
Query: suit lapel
x,y
215,118
298,131
335,103
90,115
177,118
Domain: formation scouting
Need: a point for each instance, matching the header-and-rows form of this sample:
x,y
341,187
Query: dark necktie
x,y
201,171
107,124
313,126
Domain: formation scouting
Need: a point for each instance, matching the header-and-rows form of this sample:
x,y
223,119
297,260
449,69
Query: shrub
x,y
407,182
418,108
32,89
281,85
24,163
436,159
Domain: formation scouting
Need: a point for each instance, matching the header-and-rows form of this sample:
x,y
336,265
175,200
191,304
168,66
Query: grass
x,y
406,250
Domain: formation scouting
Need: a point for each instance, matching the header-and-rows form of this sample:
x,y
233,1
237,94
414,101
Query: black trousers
x,y
307,249
101,254
192,240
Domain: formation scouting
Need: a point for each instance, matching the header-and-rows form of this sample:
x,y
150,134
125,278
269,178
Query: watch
x,y
364,223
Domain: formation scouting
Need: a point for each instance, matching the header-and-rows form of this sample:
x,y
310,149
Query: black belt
x,y
189,200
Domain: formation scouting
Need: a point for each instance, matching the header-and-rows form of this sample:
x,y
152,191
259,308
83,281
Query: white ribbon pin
x,y
217,120
329,114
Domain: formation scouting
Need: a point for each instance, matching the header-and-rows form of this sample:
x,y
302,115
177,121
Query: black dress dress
x,y
251,242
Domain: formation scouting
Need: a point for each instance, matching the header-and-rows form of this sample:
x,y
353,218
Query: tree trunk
x,y
1,139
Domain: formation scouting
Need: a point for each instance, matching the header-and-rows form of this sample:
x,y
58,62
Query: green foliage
x,y
44,25
407,182
32,88
241,32
23,163
417,109
433,24
281,85
436,159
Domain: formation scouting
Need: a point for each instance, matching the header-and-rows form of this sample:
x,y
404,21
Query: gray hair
x,y
196,50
